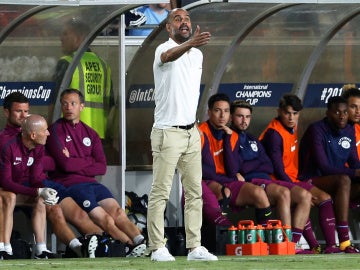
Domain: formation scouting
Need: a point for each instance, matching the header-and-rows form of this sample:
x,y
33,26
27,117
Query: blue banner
x,y
317,95
38,93
257,94
143,96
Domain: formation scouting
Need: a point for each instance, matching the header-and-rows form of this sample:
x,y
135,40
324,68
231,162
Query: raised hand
x,y
199,39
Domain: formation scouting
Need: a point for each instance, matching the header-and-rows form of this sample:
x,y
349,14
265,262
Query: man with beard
x,y
352,96
253,162
329,158
175,139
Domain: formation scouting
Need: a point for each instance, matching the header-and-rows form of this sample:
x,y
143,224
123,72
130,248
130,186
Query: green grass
x,y
340,261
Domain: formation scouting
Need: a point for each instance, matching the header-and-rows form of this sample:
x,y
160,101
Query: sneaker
x,y
46,254
317,249
162,255
351,249
91,246
224,203
6,256
201,254
301,251
332,250
135,251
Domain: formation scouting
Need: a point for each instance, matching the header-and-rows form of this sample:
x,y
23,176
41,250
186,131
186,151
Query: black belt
x,y
185,127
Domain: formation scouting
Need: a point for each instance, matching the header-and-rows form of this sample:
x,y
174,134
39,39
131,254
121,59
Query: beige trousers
x,y
175,148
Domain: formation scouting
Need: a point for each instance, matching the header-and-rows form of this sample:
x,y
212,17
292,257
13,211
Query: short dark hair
x,y
14,97
72,91
240,104
290,100
335,100
217,97
351,92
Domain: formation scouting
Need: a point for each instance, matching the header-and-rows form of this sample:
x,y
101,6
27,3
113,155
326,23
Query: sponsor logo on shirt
x,y
218,152
30,161
68,138
254,146
86,203
345,142
17,161
87,141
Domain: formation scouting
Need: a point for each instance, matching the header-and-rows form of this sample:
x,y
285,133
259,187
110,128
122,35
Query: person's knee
x,y
304,196
79,215
104,220
120,213
54,214
261,199
9,199
344,182
56,217
283,195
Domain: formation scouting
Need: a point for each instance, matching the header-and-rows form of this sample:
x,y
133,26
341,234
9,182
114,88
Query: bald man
x,y
21,172
16,109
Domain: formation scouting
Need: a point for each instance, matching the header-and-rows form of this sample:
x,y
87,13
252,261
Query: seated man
x,y
79,157
16,109
280,139
255,166
215,134
21,173
329,158
352,95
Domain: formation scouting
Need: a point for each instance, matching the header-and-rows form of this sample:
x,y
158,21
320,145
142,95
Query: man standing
x,y
329,158
175,139
92,77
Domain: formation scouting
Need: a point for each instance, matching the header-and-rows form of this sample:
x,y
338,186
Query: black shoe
x,y
89,247
224,203
6,256
136,251
46,254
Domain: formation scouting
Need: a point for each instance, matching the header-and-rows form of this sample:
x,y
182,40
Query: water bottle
x,y
268,234
241,234
232,235
260,233
288,232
